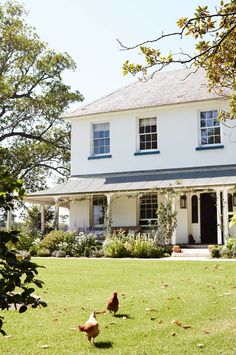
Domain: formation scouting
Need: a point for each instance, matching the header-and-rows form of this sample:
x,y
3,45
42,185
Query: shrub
x,y
24,254
167,249
229,249
36,244
86,244
33,250
97,252
52,240
25,241
43,252
215,251
230,242
155,252
225,252
139,246
114,248
59,254
145,248
233,250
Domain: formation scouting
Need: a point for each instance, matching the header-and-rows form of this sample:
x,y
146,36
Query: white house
x,y
128,146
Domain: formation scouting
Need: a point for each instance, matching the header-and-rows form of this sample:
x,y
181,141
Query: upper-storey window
x,y
210,128
147,133
101,138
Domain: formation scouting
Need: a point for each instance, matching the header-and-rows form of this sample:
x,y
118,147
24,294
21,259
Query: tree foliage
x,y
34,139
166,216
32,223
214,35
17,274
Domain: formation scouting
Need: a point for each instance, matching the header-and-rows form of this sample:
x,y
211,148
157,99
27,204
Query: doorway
x,y
208,218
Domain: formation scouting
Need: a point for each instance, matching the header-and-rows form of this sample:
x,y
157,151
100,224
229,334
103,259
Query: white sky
x,y
87,30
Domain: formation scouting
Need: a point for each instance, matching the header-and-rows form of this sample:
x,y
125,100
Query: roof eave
x,y
73,117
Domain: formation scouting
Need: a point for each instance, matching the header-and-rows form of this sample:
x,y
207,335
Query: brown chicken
x,y
91,327
113,303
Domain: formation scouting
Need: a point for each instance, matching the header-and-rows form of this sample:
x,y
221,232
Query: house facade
x,y
132,146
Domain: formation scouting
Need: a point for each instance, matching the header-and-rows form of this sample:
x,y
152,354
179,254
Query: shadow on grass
x,y
122,315
103,344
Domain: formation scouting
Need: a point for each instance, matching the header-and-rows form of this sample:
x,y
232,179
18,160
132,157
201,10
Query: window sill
x,y
100,157
220,146
147,153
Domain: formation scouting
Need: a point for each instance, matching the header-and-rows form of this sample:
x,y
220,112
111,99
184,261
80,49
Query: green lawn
x,y
199,294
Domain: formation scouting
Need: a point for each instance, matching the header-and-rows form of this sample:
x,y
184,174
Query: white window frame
x,y
138,134
201,128
92,138
147,219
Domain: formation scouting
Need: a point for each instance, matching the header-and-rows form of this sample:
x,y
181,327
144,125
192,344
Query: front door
x,y
208,218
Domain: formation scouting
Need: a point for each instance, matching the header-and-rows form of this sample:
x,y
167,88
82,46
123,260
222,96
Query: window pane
x,y
154,137
141,129
209,114
154,145
210,123
142,122
147,129
217,130
203,123
203,115
107,134
214,114
194,209
142,138
153,128
142,146
211,140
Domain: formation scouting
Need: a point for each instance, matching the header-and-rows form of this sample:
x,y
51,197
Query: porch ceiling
x,y
197,177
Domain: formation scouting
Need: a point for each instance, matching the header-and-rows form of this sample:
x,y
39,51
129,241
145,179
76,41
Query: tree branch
x,y
180,33
30,136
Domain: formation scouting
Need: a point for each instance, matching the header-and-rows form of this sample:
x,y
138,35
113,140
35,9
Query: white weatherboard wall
x,y
182,223
178,136
79,214
124,212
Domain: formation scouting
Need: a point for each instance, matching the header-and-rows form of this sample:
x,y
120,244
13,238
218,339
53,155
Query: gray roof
x,y
165,88
197,177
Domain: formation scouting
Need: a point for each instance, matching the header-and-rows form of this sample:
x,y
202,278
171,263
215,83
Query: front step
x,y
196,252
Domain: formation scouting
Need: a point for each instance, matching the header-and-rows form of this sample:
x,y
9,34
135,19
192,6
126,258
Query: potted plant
x,y
176,249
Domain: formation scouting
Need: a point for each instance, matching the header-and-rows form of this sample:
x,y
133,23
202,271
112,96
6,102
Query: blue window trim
x,y
100,156
147,153
221,146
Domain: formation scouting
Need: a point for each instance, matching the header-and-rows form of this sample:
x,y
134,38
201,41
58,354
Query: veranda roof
x,y
197,177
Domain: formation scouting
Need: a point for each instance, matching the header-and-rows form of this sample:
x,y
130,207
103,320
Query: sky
x,y
88,29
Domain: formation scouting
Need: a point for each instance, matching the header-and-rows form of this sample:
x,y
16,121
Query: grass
x,y
199,294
